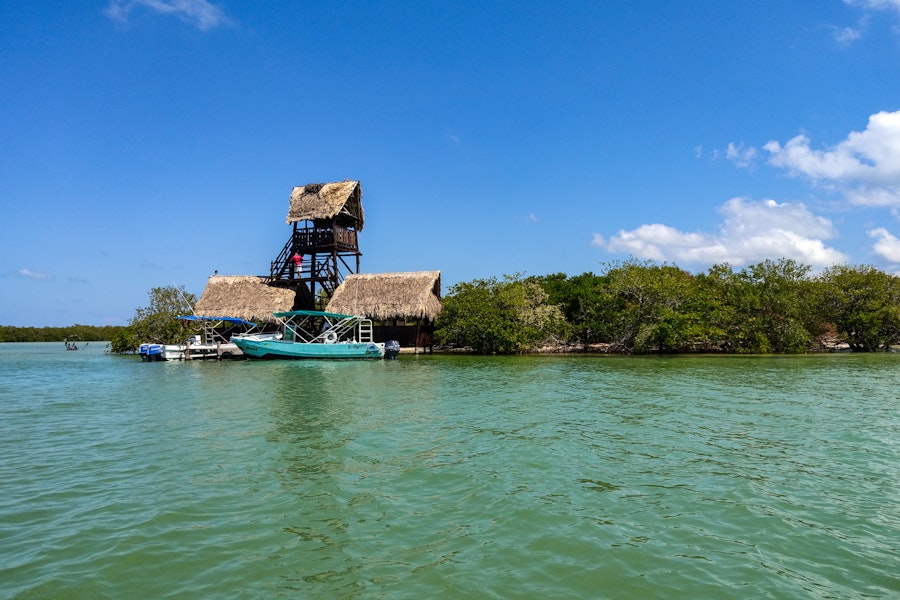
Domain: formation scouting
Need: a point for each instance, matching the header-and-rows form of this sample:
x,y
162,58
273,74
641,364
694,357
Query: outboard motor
x,y
391,349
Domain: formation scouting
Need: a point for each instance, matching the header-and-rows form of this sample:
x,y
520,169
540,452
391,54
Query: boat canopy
x,y
234,320
311,313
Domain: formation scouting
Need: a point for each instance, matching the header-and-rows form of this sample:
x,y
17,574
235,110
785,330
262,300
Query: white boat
x,y
214,342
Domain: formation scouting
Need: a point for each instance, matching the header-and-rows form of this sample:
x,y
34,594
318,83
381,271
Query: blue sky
x,y
150,142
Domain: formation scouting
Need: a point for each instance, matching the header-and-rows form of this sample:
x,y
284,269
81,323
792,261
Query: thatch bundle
x,y
383,296
245,297
317,201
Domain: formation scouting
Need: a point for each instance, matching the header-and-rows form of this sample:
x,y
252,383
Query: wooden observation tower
x,y
326,219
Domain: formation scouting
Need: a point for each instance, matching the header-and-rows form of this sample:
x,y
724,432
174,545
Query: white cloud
x,y
200,13
29,274
876,4
740,155
846,35
750,232
865,167
663,243
863,195
886,246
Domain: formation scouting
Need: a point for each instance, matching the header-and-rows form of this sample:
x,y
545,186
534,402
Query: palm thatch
x,y
384,296
320,201
245,297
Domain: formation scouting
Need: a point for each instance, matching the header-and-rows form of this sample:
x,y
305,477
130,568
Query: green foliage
x,y
780,299
636,306
863,303
648,301
717,303
156,322
766,307
580,299
498,317
772,306
124,341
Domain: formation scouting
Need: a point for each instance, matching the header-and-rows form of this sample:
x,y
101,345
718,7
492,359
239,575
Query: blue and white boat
x,y
314,334
213,342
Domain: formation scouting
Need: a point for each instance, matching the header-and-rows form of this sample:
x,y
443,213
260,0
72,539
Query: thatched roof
x,y
317,201
245,297
390,295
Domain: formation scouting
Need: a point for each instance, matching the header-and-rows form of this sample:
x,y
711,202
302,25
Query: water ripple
x,y
563,477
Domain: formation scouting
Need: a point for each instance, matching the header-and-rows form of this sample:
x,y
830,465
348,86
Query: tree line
x,y
155,323
632,306
72,333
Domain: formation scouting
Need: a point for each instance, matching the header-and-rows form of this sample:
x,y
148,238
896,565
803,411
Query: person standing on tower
x,y
297,259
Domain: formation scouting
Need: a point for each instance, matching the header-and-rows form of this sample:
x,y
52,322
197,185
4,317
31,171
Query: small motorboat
x,y
314,334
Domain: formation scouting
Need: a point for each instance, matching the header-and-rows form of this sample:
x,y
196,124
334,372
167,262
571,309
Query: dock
x,y
200,351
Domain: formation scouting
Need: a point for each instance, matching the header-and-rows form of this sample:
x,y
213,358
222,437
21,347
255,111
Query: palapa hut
x,y
245,297
326,219
339,202
405,305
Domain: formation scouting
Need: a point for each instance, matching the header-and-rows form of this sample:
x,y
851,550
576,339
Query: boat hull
x,y
281,349
174,351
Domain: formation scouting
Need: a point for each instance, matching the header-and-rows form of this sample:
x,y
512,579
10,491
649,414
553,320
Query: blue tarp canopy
x,y
234,320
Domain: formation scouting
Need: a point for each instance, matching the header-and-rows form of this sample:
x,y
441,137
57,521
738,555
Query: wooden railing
x,y
279,268
311,240
340,238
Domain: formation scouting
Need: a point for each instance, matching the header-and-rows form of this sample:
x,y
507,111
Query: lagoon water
x,y
449,477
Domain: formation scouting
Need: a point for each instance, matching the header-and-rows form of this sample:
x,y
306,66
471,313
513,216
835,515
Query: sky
x,y
148,143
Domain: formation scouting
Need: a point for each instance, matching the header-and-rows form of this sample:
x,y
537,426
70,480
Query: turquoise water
x,y
449,477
